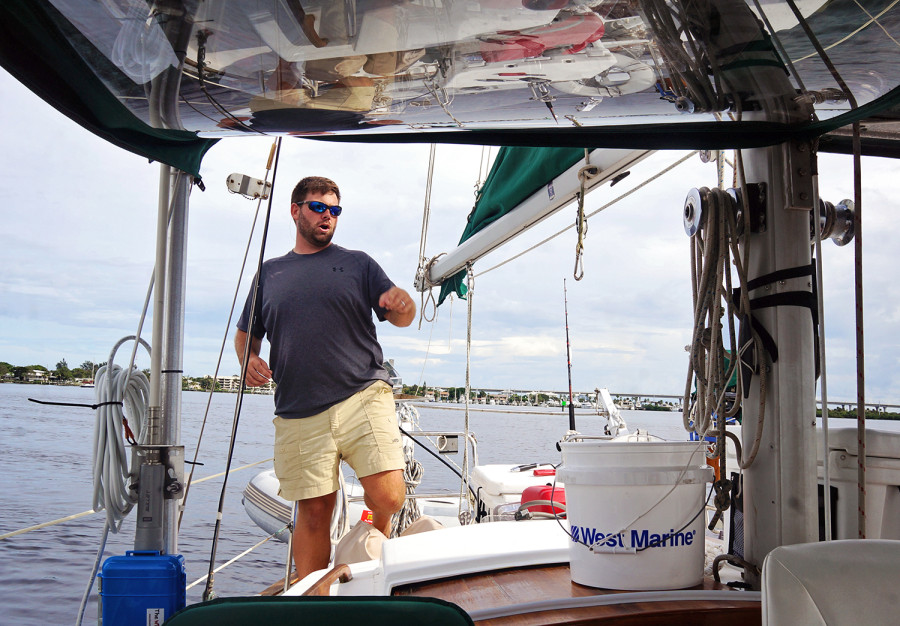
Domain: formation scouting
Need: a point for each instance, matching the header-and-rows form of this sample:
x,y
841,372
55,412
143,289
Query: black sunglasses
x,y
319,207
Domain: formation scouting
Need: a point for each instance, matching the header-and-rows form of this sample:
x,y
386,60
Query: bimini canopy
x,y
165,79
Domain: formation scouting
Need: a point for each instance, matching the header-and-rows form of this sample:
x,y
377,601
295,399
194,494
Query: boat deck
x,y
545,594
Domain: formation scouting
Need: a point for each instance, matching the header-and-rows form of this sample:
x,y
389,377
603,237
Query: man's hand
x,y
258,372
401,310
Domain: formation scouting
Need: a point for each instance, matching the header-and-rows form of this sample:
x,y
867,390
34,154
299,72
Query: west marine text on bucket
x,y
640,539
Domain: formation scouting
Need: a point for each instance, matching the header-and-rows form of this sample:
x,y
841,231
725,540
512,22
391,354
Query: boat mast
x,y
780,498
161,460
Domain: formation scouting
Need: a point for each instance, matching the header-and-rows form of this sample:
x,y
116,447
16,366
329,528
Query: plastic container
x,y
635,511
142,587
543,492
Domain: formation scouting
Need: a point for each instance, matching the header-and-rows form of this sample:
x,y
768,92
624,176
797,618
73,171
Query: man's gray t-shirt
x,y
316,311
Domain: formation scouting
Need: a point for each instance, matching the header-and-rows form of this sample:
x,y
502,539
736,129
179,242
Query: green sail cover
x,y
38,53
516,174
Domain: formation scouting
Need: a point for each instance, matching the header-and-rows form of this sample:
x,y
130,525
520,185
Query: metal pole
x,y
173,342
568,358
860,341
780,498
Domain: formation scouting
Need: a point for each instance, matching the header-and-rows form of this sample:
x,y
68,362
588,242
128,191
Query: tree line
x,y
62,372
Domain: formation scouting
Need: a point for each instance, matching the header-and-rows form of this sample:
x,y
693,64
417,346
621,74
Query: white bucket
x,y
635,512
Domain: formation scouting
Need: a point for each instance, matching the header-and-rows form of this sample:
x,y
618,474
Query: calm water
x,y
46,469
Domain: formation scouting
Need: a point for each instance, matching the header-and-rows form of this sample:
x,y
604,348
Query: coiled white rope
x,y
115,384
116,389
409,512
713,250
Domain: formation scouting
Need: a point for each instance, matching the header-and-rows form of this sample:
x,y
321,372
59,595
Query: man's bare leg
x,y
384,495
312,534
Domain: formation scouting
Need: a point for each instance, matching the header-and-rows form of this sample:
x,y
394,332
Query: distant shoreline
x,y
500,408
452,406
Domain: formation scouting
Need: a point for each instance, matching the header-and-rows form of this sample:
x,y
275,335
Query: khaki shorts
x,y
361,430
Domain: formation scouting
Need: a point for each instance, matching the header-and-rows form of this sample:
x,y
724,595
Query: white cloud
x,y
80,232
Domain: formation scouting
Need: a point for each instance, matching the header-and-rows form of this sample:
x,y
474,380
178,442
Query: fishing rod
x,y
568,358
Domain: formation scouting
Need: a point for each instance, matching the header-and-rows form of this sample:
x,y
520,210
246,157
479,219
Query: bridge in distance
x,y
834,404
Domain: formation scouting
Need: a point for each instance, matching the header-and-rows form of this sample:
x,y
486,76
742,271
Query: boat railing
x,y
69,518
416,496
446,442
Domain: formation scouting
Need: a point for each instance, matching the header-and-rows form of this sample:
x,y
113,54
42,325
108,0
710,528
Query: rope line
x,y
94,406
75,516
239,556
592,214
422,281
464,484
584,175
861,28
713,250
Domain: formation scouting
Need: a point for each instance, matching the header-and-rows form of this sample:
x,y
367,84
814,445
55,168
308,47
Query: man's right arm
x,y
258,372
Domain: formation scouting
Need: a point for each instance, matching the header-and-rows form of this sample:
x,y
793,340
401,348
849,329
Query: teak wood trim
x,y
340,572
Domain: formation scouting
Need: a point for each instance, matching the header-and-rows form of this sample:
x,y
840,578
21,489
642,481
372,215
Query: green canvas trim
x,y
753,63
886,102
293,610
35,51
516,174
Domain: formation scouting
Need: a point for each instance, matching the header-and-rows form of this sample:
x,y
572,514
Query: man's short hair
x,y
314,184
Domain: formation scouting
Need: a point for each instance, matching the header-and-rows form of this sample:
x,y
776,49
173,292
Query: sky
x,y
78,240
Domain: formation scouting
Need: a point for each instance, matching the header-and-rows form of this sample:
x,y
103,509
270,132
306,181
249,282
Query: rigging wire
x,y
449,464
75,516
860,337
781,50
208,591
873,20
484,167
215,377
424,268
464,484
817,230
421,380
236,558
423,271
592,214
858,275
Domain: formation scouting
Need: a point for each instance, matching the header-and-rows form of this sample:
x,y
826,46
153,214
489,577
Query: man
x,y
332,397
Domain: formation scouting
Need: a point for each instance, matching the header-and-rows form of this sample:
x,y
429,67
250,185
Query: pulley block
x,y
835,222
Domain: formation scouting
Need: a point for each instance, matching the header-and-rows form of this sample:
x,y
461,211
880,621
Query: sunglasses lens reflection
x,y
319,207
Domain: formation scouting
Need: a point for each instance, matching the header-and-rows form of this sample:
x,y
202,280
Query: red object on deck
x,y
543,492
569,34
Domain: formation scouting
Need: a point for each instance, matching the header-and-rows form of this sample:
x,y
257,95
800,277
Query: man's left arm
x,y
401,310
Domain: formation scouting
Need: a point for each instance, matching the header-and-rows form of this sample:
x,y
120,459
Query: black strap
x,y
805,299
86,406
784,274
